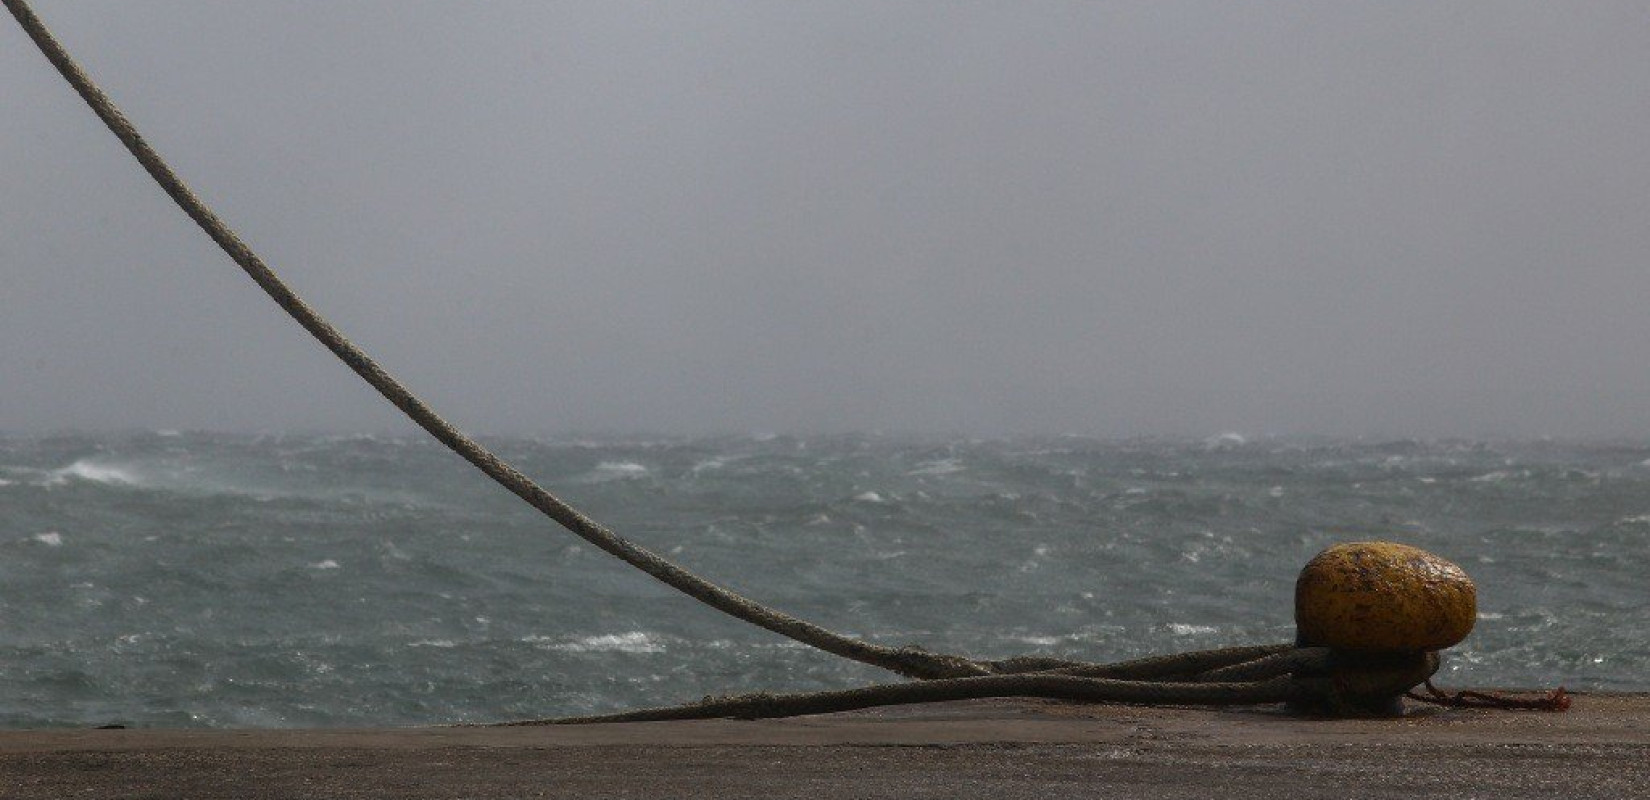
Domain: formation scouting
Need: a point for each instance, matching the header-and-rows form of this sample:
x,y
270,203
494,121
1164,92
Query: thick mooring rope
x,y
1059,687
1239,675
1308,678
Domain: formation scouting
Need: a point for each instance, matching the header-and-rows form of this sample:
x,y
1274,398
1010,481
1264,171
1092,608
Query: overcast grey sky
x,y
1102,218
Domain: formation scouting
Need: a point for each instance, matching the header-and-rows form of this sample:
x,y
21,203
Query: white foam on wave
x,y
869,497
620,469
716,462
628,642
49,538
943,466
1222,441
324,564
93,472
1183,629
1042,641
1641,519
177,474
1035,562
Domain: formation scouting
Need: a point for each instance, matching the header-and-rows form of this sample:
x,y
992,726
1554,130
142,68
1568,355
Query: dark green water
x,y
215,580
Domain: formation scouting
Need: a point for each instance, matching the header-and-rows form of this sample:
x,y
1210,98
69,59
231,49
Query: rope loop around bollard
x,y
1309,678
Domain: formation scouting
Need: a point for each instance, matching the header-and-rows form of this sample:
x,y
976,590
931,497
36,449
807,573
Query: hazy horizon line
x,y
1219,438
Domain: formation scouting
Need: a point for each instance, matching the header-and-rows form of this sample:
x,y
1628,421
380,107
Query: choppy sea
x,y
194,579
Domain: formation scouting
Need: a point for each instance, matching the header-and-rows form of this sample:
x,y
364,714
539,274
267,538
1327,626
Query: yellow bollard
x,y
1381,597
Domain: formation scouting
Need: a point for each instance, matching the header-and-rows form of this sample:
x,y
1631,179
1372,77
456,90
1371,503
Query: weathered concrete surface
x,y
995,749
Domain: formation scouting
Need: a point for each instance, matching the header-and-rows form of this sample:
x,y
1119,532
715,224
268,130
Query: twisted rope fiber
x,y
1238,675
1059,687
1307,677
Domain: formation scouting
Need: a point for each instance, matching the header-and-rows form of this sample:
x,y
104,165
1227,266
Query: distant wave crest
x,y
619,470
94,472
628,642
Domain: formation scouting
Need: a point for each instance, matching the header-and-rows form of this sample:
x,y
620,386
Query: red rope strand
x,y
1556,700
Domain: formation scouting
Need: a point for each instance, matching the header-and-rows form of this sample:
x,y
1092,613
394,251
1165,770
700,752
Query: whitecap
x,y
326,564
93,472
443,644
944,466
49,538
1222,441
1040,641
620,469
1183,629
869,497
628,642
1641,519
347,438
717,462
1038,553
